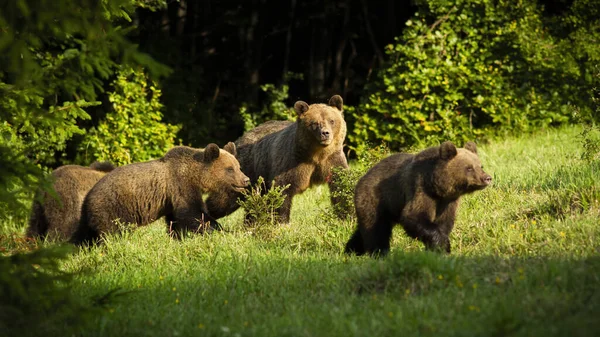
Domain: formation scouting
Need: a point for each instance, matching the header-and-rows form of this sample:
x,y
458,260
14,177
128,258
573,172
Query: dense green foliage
x,y
463,69
133,131
55,60
524,263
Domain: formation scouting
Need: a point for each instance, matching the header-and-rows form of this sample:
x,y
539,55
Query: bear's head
x,y
458,171
223,168
323,122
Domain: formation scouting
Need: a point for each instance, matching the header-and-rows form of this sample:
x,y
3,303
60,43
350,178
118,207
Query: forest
x,y
126,80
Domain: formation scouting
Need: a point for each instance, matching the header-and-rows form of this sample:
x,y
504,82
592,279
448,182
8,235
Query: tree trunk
x,y
288,42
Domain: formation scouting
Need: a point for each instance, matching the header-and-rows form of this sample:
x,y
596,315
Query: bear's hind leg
x,y
355,244
376,238
38,224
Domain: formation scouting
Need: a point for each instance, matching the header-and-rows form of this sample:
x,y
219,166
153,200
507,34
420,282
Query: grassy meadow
x,y
525,262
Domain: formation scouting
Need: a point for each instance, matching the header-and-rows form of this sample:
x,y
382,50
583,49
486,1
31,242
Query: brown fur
x,y
421,192
300,153
56,216
172,186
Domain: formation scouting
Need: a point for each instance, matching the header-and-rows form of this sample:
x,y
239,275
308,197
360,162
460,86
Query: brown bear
x,y
300,153
171,186
55,216
420,191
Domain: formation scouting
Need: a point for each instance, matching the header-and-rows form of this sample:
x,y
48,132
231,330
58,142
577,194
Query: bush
x,y
54,57
261,204
134,130
345,181
467,68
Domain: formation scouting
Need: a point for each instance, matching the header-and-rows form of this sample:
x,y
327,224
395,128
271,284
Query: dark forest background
x,y
223,51
124,80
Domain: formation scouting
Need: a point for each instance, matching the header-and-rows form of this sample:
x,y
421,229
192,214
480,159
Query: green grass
x,y
525,262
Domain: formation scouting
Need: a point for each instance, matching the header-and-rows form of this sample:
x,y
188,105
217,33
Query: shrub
x,y
260,204
345,180
134,130
590,141
54,57
465,68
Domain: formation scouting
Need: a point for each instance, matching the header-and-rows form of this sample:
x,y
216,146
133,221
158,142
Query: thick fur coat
x,y
172,187
299,154
420,192
55,216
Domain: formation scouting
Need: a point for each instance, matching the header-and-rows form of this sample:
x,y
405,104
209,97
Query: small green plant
x,y
590,140
343,181
261,203
134,130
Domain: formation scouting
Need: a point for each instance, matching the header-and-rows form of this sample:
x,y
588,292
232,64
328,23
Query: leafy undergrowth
x,y
525,262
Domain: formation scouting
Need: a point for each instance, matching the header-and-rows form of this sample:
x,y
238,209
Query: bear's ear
x,y
336,101
211,152
301,107
230,147
471,147
447,150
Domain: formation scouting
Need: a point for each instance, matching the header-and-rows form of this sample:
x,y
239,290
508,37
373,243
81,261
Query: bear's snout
x,y
487,179
325,136
241,184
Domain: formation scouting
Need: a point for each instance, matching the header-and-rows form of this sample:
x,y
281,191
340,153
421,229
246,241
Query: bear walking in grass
x,y
299,154
171,186
56,216
420,191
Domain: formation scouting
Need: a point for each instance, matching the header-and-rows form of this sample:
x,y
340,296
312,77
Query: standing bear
x,y
300,154
56,216
420,191
171,186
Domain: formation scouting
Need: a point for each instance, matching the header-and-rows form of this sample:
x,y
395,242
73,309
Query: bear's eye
x,y
230,170
332,121
470,169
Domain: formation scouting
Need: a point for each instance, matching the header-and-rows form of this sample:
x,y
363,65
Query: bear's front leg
x,y
423,229
283,212
222,203
195,221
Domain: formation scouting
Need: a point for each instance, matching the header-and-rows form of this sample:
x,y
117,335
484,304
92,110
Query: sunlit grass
x,y
525,261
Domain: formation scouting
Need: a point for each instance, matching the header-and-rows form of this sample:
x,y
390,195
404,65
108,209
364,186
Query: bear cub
x,y
419,191
56,216
171,186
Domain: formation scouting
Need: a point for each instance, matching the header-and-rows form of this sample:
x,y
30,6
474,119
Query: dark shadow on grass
x,y
436,295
